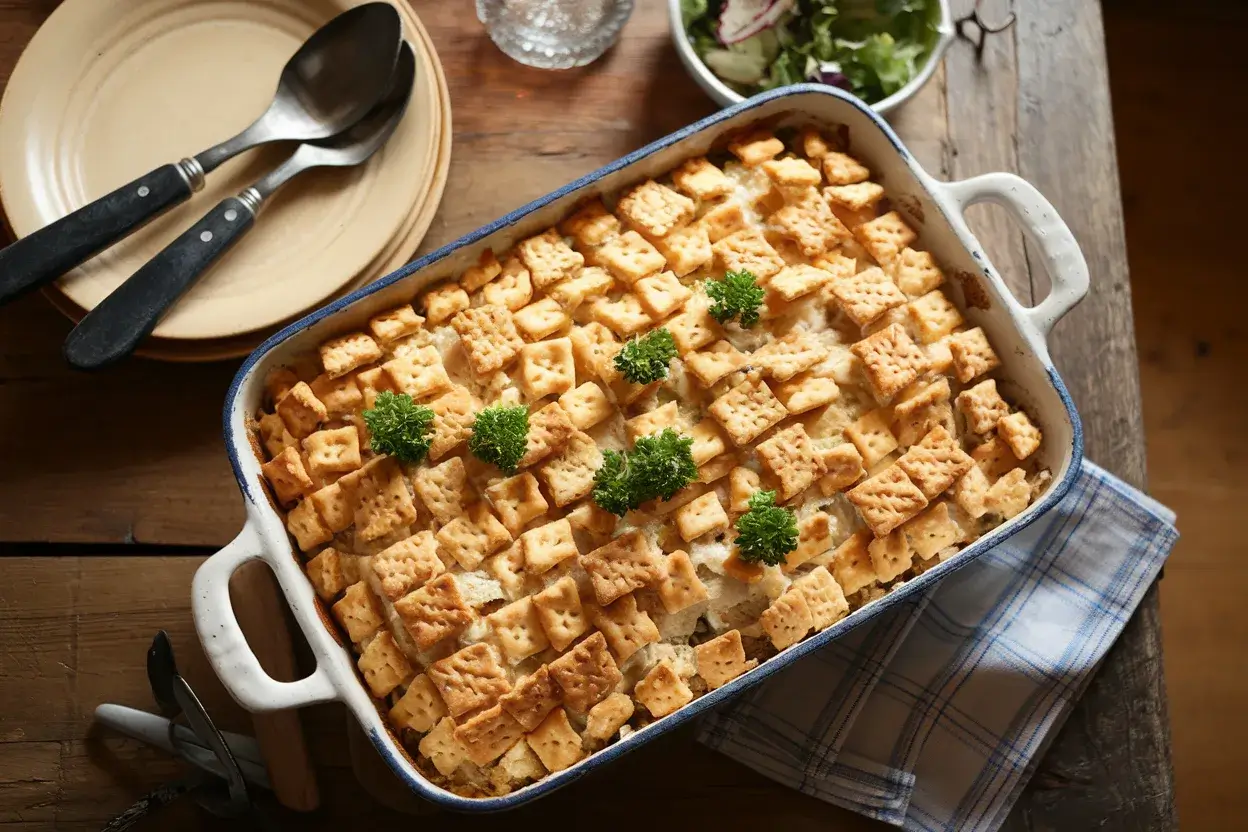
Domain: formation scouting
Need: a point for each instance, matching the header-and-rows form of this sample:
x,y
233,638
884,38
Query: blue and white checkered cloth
x,y
934,715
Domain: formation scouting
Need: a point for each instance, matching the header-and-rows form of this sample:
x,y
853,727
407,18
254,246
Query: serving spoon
x,y
336,77
113,329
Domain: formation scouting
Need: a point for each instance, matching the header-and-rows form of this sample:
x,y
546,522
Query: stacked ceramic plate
x,y
108,89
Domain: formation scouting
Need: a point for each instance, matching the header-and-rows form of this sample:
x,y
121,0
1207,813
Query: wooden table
x,y
113,487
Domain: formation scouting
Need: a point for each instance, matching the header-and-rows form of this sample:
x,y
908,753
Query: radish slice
x,y
742,19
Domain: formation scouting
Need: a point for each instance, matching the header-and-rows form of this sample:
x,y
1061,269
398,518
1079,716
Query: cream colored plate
x,y
399,253
109,89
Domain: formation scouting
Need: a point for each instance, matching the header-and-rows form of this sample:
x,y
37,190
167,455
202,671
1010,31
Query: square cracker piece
x,y
790,457
794,281
722,659
512,290
1020,434
625,564
630,257
591,225
851,562
661,294
435,611
625,316
748,410
788,619
301,410
655,210
724,219
569,474
560,612
694,328
395,323
407,565
547,368
453,415
756,146
420,708
933,530
382,501
586,673
709,366
555,742
808,221
701,516
325,573
891,555
443,488
844,467
885,237
586,405
441,302
891,360
518,630
469,539
748,250
384,666
547,546
843,169
916,272
653,421
806,391
872,436
936,463
982,406
933,316
340,356
442,749
662,691
862,196
626,628
486,735
487,268
549,428
686,249
469,679
489,337
608,716
419,373
866,296
701,180
518,501
681,587
532,698
540,319
549,259
306,526
789,355
591,281
287,476
792,172
887,500
971,353
824,597
358,612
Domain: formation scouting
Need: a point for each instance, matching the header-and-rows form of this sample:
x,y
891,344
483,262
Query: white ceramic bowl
x,y
725,96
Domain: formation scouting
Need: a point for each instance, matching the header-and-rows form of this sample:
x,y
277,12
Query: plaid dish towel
x,y
934,715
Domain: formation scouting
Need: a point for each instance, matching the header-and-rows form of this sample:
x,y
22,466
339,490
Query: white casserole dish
x,y
935,208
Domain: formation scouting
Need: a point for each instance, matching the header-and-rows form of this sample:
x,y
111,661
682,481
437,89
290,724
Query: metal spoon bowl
x,y
112,330
335,78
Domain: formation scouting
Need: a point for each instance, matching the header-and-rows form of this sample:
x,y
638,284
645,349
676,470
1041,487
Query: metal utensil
x,y
335,78
115,327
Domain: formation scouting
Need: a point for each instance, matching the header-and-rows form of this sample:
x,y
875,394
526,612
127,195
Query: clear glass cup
x,y
554,34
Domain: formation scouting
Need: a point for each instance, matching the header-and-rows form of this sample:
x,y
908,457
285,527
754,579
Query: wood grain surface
x,y
131,461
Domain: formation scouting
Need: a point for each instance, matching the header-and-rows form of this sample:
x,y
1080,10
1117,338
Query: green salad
x,y
871,48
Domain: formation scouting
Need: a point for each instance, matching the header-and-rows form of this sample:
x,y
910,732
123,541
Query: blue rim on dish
x,y
387,748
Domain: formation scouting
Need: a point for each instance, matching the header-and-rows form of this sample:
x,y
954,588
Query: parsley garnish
x,y
500,436
645,359
766,533
656,468
399,426
737,295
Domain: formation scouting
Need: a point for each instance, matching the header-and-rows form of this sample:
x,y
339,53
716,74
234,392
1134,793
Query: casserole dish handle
x,y
1063,260
225,645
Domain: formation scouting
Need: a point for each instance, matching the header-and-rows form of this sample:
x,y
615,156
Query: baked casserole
x,y
621,464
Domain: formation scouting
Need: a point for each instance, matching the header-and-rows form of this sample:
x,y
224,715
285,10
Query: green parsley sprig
x,y
656,468
399,426
500,436
737,295
645,359
766,533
